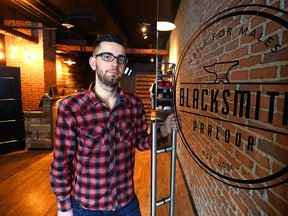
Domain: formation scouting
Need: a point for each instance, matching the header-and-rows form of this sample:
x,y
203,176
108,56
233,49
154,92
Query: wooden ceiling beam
x,y
9,30
146,51
129,51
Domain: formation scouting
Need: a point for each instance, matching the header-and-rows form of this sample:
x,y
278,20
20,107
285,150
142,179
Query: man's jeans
x,y
131,209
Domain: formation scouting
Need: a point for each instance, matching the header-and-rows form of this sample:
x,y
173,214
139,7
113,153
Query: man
x,y
97,132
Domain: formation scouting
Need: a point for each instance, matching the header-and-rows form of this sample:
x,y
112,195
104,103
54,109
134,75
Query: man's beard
x,y
109,81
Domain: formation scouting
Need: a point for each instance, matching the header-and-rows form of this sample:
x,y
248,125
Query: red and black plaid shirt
x,y
94,150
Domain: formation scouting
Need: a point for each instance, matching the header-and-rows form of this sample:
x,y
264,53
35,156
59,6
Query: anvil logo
x,y
221,70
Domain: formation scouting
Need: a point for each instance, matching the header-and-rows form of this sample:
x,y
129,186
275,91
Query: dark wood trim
x,y
19,34
75,48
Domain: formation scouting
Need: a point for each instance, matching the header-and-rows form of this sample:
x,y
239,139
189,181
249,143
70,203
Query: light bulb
x,y
14,48
144,29
69,62
26,53
28,59
165,26
13,56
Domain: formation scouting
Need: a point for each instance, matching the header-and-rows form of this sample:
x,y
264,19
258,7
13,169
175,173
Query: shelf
x,y
165,94
164,111
164,99
165,87
165,75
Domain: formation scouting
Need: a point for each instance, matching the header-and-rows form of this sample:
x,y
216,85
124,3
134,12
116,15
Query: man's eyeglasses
x,y
109,57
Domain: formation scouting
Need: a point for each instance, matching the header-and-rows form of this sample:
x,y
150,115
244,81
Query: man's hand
x,y
171,123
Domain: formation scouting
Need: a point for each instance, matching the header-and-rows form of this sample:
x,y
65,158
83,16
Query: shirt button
x,y
112,173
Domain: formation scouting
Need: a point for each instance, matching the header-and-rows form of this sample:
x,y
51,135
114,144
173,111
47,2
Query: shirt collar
x,y
121,97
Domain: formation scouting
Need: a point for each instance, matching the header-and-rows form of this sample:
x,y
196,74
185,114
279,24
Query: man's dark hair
x,y
107,38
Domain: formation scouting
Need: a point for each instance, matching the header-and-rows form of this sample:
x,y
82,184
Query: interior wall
x,y
199,40
36,61
29,57
70,78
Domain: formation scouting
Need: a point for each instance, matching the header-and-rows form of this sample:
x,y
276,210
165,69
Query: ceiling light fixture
x,y
68,25
69,62
144,29
165,26
165,16
128,71
145,36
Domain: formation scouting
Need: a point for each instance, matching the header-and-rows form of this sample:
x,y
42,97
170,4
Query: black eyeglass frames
x,y
109,57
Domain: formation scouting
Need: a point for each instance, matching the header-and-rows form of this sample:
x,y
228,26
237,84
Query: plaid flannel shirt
x,y
94,150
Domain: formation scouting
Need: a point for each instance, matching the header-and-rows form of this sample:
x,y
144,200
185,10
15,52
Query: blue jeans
x,y
131,209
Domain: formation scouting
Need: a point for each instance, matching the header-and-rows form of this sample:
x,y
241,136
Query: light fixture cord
x,y
157,60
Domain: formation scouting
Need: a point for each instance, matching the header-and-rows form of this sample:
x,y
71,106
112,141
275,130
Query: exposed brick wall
x,y
36,74
70,78
257,64
49,39
42,69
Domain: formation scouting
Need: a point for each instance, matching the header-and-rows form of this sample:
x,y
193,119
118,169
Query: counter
x,y
40,125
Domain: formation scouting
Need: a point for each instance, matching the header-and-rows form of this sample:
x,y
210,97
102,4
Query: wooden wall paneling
x,y
143,84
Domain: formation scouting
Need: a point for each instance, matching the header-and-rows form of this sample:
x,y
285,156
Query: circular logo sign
x,y
232,96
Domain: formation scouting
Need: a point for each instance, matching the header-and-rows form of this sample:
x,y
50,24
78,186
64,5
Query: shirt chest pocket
x,y
126,130
92,135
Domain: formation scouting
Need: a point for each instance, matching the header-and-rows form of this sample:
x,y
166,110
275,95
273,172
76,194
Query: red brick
x,y
280,204
280,55
240,52
265,205
253,55
263,73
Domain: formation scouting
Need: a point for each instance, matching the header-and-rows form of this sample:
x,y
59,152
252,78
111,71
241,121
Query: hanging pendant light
x,y
165,26
165,17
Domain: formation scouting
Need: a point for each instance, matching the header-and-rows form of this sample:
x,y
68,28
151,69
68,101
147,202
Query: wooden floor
x,y
25,188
